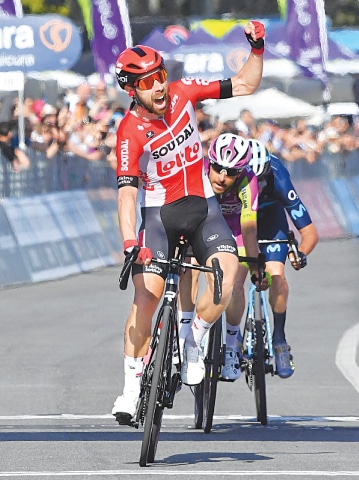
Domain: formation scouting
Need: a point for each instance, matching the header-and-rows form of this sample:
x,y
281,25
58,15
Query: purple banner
x,y
10,7
307,37
111,33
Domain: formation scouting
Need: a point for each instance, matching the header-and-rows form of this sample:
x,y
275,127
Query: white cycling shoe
x,y
192,371
231,370
124,408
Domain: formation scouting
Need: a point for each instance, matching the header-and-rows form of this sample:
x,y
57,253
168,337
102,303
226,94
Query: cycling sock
x,y
133,373
184,322
278,331
198,330
231,336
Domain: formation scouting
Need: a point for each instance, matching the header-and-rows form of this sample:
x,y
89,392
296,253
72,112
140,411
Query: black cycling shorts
x,y
199,219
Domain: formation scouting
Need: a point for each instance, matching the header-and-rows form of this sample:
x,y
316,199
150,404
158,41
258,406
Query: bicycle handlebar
x,y
215,270
291,241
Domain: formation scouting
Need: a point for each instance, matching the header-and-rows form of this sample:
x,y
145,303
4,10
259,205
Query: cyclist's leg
x,y
187,298
211,239
148,282
276,255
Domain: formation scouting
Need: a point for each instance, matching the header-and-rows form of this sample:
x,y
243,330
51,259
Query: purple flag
x,y
10,7
307,37
111,33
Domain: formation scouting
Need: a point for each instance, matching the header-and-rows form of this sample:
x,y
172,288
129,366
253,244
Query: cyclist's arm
x,y
248,196
249,77
309,239
127,198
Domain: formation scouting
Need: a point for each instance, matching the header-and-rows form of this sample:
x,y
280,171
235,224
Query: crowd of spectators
x,y
84,122
298,140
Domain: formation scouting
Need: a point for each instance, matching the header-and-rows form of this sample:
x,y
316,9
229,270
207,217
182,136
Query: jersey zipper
x,y
185,186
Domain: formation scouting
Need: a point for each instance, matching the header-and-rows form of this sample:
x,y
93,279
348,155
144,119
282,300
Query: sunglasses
x,y
230,172
147,82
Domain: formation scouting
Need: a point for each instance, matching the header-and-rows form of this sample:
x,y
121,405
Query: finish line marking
x,y
146,472
70,416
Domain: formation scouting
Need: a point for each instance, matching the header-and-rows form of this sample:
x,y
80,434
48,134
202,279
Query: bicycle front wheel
x,y
259,364
155,405
212,371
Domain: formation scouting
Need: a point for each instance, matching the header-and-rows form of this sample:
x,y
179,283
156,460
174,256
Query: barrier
x,y
60,217
57,234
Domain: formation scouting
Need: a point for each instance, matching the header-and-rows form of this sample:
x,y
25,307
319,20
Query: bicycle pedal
x,y
125,419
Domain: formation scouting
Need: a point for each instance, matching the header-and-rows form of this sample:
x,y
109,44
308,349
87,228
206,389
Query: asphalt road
x,y
61,369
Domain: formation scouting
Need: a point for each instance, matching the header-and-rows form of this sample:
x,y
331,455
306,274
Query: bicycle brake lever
x,y
218,278
125,272
293,245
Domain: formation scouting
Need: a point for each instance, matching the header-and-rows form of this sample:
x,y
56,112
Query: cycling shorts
x,y
199,219
272,223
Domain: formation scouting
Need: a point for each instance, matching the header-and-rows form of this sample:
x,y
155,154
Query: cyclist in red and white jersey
x,y
159,151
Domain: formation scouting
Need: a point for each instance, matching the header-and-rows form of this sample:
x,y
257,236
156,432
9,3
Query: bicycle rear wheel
x,y
198,405
212,370
153,417
259,364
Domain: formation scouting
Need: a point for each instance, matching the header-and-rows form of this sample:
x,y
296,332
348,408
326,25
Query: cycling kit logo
x,y
212,237
56,35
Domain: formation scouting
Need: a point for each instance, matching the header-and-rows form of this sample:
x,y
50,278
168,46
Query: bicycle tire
x,y
212,371
152,422
198,405
259,364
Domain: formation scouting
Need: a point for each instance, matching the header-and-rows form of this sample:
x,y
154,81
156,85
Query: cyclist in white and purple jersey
x,y
277,198
236,189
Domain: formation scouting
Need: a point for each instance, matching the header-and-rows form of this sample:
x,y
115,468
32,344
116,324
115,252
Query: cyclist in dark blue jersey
x,y
278,197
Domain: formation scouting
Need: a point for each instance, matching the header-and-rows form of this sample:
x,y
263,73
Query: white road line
x,y
70,416
187,473
345,358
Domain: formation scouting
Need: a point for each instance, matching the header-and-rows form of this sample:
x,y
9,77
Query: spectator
x,y
79,104
84,141
18,159
246,125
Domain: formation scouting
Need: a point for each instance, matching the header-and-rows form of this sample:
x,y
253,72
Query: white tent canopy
x,y
266,104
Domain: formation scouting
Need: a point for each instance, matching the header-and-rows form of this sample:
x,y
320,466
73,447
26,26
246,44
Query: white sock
x,y
198,330
184,325
231,336
133,372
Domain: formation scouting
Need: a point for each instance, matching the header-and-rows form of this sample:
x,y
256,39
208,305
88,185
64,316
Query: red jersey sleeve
x,y
128,148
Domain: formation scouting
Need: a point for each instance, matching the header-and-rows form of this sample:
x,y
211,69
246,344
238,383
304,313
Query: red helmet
x,y
136,61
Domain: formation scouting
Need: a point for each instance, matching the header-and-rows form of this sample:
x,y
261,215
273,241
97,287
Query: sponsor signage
x,y
38,43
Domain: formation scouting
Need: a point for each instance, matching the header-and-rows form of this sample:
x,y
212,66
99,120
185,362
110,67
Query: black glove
x,y
258,45
303,259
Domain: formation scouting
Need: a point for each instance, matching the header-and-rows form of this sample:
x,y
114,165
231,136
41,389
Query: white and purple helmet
x,y
260,160
231,152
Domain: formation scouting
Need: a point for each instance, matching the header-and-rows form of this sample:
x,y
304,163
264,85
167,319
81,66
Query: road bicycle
x,y
214,346
257,337
258,348
161,377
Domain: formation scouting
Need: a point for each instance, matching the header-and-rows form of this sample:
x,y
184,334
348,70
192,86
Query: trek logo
x,y
182,137
170,295
124,155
